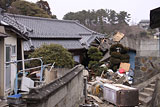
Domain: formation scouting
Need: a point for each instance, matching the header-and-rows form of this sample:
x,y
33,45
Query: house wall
x,y
11,41
1,67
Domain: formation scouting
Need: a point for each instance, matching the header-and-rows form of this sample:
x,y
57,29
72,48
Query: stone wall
x,y
145,68
66,91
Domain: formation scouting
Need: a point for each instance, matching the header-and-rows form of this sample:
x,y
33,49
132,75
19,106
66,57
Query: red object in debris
x,y
121,71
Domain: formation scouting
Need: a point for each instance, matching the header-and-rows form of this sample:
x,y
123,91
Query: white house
x,y
12,35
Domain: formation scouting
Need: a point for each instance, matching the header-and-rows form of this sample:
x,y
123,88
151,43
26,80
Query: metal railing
x,y
17,61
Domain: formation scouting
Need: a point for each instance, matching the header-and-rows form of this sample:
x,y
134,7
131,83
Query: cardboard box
x,y
118,36
125,66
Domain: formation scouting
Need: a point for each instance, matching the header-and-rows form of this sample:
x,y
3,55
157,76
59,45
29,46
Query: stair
x,y
152,85
149,90
145,95
145,101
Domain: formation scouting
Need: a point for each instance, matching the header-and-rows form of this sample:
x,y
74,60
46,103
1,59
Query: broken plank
x,y
96,98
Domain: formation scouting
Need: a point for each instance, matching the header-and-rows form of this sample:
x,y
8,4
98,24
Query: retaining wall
x,y
66,91
145,68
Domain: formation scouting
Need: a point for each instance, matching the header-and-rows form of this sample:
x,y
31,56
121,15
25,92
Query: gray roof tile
x,y
51,28
68,33
68,44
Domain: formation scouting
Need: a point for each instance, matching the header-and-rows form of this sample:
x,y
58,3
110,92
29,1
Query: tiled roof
x,y
52,28
68,44
87,40
69,33
5,20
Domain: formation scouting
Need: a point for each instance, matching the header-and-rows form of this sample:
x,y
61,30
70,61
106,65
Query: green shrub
x,y
53,53
113,47
116,55
124,50
125,60
94,54
115,61
124,56
115,68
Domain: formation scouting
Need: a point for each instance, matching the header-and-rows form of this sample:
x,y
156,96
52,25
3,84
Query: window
x,y
13,50
76,58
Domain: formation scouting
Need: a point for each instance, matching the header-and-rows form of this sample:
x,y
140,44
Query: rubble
x,y
96,88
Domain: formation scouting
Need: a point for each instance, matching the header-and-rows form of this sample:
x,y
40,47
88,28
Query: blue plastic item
x,y
15,96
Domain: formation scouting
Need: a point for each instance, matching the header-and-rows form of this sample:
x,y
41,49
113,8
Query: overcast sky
x,y
139,9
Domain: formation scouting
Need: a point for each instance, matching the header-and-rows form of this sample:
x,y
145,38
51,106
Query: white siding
x,y
12,41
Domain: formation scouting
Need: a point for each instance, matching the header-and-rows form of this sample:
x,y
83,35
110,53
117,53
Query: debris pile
x,y
106,91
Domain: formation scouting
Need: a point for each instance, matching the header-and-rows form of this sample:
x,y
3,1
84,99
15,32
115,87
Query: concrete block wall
x,y
66,91
69,95
145,68
148,47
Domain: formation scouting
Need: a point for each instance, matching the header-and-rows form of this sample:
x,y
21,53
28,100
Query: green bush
x,y
124,56
94,54
93,64
53,53
115,68
115,61
124,50
116,55
125,60
113,47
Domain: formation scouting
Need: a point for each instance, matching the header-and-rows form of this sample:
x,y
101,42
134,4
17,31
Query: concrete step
x,y
152,85
144,94
149,90
145,101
